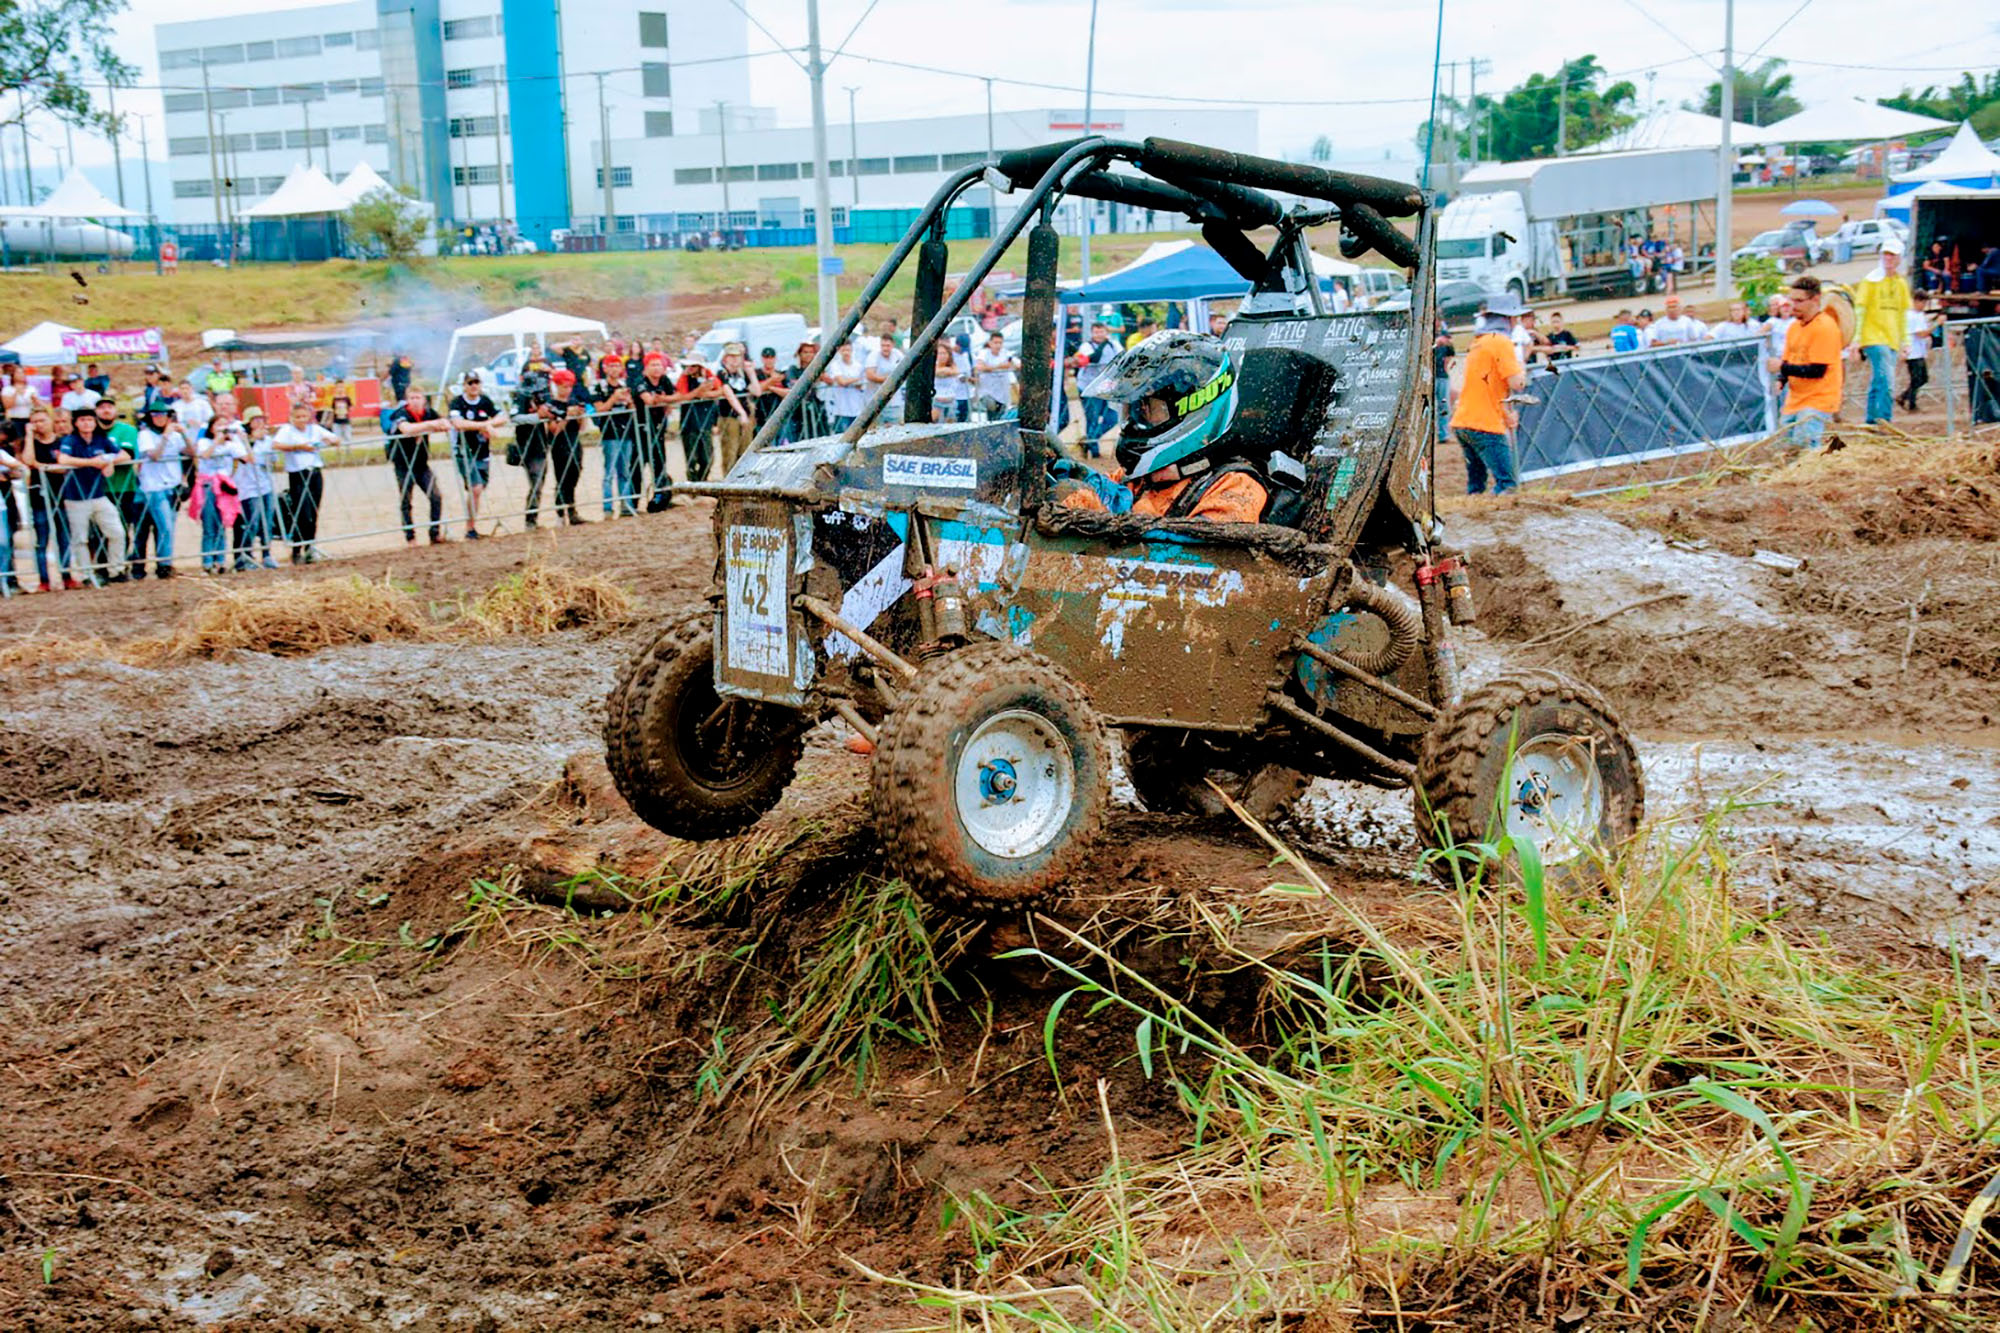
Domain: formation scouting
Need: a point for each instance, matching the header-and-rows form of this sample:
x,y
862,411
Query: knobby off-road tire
x,y
1171,774
672,757
1537,755
991,780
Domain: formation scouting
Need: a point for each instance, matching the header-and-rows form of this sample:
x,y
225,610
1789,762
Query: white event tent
x,y
40,346
362,181
519,326
1852,120
1964,161
76,197
306,193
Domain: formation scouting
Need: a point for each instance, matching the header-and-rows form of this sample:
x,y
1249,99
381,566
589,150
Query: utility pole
x,y
829,281
306,115
1725,163
722,141
499,159
1472,106
152,218
853,150
992,195
214,169
117,154
27,157
1562,111
1089,80
604,163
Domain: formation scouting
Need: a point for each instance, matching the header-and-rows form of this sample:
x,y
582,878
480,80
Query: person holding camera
x,y
530,449
698,394
411,427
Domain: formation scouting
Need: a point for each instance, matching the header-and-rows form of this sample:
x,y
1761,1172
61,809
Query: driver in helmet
x,y
1179,389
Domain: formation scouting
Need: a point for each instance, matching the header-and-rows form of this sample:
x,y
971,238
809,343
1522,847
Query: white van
x,y
755,332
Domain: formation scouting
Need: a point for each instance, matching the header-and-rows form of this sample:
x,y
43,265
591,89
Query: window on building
x,y
221,55
340,87
339,39
182,102
916,164
293,47
473,127
871,166
263,97
837,167
626,222
187,59
458,30
959,161
621,178
192,189
694,176
225,99
299,139
258,51
347,131
654,80
659,124
268,140
735,173
653,30
368,39
468,78
745,218
487,174
305,92
778,171
267,184
371,87
187,147
375,134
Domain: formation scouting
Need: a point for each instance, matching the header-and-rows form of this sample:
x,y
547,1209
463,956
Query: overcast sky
x,y
1286,54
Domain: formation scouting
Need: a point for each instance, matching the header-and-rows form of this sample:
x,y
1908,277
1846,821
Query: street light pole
x,y
853,151
1089,80
992,195
722,140
829,281
1725,165
604,162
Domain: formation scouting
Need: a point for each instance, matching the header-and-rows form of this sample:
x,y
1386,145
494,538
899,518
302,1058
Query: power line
x,y
1803,6
1892,69
759,25
838,50
1646,14
1135,97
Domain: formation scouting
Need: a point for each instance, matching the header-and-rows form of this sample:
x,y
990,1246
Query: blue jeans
x,y
1881,381
6,546
254,528
1441,404
1098,419
214,533
1486,453
1805,428
51,529
158,522
619,493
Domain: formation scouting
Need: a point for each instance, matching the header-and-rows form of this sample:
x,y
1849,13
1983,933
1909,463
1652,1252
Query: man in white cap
x,y
1880,300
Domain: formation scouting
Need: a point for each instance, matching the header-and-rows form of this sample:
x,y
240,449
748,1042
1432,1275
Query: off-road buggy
x,y
918,582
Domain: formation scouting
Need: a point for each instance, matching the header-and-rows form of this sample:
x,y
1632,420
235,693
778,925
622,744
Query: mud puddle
x,y
1902,837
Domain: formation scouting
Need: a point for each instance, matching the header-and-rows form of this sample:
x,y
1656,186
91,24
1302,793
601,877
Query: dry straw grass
x,y
292,619
545,598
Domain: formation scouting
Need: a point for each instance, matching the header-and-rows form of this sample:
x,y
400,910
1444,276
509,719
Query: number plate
x,y
757,563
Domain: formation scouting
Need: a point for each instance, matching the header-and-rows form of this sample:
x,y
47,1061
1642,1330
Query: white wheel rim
x,y
1015,784
1554,798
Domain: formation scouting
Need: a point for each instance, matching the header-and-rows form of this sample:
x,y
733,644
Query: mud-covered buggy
x,y
919,582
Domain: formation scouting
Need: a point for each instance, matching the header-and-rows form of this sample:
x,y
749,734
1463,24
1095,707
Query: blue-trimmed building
x,y
491,109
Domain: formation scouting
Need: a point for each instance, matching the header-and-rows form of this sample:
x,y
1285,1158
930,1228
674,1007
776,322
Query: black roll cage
x,y
1222,191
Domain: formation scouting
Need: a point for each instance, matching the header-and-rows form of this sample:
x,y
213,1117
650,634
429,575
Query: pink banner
x,y
109,344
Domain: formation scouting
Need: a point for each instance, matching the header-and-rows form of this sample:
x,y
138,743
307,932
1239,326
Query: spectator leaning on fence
x,y
1677,326
617,427
994,372
162,444
411,427
257,493
45,479
1881,303
89,454
472,414
1624,333
299,441
13,477
1739,325
1810,368
214,500
1483,417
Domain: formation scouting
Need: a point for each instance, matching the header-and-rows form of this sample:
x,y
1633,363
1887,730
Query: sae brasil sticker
x,y
960,474
755,561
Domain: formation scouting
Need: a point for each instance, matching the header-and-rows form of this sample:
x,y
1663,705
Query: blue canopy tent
x,y
1195,273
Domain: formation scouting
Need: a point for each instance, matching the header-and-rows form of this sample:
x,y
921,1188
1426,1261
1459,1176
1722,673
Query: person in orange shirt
x,y
1810,368
1483,416
1181,391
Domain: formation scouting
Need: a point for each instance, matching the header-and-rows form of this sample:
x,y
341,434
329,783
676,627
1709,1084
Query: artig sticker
x,y
961,474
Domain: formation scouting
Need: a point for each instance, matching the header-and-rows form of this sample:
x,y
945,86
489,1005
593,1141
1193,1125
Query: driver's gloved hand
x,y
1070,476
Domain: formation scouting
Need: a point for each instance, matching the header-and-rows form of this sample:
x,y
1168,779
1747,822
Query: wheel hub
x,y
1555,801
1015,783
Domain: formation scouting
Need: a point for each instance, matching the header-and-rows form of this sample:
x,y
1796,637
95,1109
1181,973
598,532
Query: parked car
x,y
1457,299
1862,236
1791,247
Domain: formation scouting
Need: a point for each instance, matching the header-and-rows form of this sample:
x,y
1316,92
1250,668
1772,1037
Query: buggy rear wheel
x,y
1537,757
991,780
1171,772
691,762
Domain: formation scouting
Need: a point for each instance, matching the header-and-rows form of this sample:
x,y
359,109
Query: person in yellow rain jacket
x,y
1180,388
1880,301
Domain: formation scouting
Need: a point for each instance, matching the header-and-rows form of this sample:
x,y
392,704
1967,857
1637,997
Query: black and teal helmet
x,y
1191,373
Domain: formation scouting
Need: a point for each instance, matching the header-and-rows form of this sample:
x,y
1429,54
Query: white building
x,y
490,109
880,169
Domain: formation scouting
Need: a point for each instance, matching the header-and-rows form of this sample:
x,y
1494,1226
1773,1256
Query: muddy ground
x,y
270,1063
